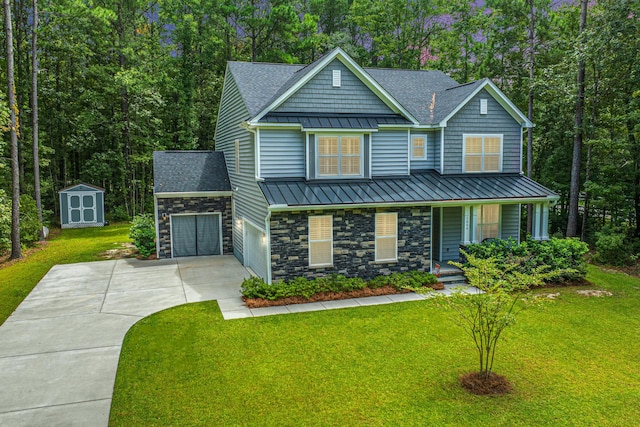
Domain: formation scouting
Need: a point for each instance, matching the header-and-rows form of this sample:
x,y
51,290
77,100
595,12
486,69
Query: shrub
x,y
143,234
612,247
29,225
565,256
5,222
255,287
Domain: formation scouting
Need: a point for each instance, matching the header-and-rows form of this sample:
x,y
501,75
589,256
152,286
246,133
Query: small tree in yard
x,y
143,234
484,316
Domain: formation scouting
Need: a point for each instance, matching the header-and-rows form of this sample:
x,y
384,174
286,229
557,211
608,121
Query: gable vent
x,y
337,78
483,106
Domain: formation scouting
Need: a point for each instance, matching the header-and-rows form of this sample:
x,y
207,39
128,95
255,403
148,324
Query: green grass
x,y
572,362
66,247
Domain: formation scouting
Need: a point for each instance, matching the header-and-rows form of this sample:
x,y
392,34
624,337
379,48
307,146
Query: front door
x,y
196,235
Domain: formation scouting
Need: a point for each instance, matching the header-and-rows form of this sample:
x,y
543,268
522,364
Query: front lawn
x,y
18,278
572,362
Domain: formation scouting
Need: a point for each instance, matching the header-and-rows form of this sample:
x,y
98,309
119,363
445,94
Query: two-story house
x,y
335,168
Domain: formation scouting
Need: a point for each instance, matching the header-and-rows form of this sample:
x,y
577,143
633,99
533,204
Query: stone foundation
x,y
195,205
353,243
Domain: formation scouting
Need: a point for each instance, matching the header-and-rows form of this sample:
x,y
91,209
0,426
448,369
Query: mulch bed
x,y
330,296
476,383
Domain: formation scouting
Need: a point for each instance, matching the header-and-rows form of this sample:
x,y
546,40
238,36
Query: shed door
x,y
255,250
196,235
82,208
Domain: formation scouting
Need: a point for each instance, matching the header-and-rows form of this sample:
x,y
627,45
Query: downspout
x,y
267,229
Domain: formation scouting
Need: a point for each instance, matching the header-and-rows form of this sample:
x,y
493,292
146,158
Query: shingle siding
x,y
390,153
469,121
319,96
248,200
282,153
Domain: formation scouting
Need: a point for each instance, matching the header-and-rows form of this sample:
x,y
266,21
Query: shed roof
x,y
189,171
420,187
82,187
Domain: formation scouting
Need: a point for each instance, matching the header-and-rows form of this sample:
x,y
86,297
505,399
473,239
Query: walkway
x,y
59,350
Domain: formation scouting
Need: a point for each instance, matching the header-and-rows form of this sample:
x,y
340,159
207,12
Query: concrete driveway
x,y
59,350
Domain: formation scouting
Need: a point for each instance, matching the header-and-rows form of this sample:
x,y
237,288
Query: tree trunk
x,y
16,250
530,110
124,106
574,188
34,112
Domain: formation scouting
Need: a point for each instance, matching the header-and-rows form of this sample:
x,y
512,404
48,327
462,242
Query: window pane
x,y
491,145
492,163
328,166
351,166
320,228
490,213
350,145
473,145
489,231
385,248
386,224
328,145
472,164
418,148
320,253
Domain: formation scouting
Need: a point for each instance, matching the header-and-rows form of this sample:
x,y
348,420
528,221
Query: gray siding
x,y
510,226
390,153
469,120
451,233
319,96
433,151
282,153
248,200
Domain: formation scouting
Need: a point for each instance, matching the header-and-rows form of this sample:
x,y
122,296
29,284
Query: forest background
x,y
119,79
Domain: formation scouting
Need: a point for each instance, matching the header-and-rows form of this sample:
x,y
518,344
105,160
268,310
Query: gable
x,y
82,188
319,96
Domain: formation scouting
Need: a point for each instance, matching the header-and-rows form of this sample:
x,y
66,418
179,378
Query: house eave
x,y
173,194
524,200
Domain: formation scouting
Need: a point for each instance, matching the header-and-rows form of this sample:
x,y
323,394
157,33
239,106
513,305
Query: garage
x,y
255,250
196,235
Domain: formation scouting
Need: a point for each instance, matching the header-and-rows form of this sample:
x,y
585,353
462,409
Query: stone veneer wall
x,y
195,205
353,243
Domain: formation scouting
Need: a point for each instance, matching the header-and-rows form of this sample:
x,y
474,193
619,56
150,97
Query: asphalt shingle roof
x,y
189,171
419,187
428,95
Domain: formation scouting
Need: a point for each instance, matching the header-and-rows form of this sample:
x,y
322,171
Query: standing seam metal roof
x,y
420,187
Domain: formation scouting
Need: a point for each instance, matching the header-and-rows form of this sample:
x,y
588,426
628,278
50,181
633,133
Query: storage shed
x,y
81,205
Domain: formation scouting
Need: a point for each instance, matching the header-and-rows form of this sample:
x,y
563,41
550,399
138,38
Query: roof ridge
x,y
466,84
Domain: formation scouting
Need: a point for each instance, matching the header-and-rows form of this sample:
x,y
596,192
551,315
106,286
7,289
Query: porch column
x,y
536,221
544,232
474,224
466,225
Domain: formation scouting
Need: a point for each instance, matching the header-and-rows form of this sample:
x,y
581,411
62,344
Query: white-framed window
x,y
488,222
482,153
320,240
418,147
386,236
337,78
340,155
483,106
237,159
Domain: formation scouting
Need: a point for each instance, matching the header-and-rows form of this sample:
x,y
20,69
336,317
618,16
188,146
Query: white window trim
x,y
479,224
484,106
339,136
483,136
395,237
315,241
425,147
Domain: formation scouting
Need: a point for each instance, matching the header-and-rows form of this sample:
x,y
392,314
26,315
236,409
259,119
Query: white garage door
x,y
255,250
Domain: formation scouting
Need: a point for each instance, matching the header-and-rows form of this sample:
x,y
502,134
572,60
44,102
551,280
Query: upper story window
x,y
340,155
482,153
418,148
